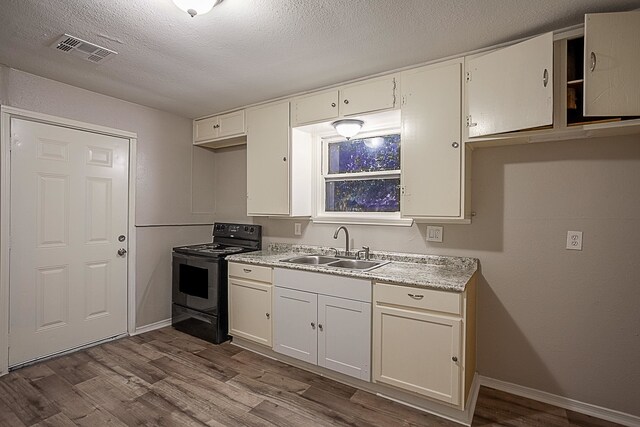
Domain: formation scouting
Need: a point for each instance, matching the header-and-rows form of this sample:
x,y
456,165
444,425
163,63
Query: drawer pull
x,y
415,296
246,270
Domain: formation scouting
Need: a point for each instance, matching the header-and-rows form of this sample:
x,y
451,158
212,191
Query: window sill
x,y
397,222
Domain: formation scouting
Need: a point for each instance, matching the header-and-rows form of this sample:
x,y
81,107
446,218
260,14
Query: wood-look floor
x,y
166,378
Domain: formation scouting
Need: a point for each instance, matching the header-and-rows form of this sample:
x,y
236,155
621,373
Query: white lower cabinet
x,y
424,341
332,331
250,298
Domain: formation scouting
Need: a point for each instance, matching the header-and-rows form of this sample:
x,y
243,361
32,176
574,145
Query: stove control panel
x,y
238,231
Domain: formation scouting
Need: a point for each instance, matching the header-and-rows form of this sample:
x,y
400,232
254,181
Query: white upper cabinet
x,y
511,88
316,107
268,137
431,141
220,131
369,96
279,164
612,64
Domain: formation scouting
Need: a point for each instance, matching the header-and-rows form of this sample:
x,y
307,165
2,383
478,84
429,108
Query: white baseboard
x,y
152,326
563,402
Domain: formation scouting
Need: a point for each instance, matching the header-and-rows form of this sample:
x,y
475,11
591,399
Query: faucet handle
x,y
335,250
364,249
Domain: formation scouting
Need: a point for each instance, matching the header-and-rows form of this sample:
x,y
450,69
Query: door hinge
x,y
470,124
404,100
468,76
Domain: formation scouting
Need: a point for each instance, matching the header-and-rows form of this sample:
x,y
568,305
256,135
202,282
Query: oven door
x,y
196,283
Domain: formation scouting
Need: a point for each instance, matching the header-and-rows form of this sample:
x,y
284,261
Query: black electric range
x,y
199,285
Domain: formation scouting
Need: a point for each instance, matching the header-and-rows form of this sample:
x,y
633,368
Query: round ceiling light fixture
x,y
196,7
348,127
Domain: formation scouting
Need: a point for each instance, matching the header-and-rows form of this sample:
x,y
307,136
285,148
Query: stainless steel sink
x,y
357,264
310,259
329,261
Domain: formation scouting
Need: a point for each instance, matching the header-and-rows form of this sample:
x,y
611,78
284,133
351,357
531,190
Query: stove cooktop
x,y
209,249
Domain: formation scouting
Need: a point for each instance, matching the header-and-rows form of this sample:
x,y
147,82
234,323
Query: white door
x,y
295,328
344,336
69,205
612,64
417,351
431,144
250,310
511,88
268,135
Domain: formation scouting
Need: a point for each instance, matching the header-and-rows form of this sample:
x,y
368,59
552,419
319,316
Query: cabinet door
x,y
205,129
231,124
315,108
415,351
268,137
250,310
431,141
612,64
368,96
511,88
344,336
295,329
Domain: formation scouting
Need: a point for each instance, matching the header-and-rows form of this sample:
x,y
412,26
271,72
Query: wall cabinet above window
x,y
369,96
220,131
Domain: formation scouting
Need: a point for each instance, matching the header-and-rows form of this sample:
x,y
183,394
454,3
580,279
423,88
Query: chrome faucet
x,y
346,235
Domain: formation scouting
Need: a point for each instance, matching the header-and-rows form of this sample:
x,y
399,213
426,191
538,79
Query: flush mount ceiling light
x,y
196,7
348,127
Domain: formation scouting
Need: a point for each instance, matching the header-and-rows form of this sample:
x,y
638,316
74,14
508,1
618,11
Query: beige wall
x,y
165,161
565,322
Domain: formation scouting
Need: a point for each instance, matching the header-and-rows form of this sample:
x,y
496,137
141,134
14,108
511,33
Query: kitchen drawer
x,y
424,299
250,272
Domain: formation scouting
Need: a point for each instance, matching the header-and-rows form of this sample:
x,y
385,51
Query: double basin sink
x,y
329,261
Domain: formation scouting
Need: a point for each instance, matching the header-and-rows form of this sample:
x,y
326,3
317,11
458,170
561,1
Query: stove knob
x,y
251,230
246,228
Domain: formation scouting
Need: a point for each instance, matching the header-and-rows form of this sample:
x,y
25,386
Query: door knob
x,y
122,251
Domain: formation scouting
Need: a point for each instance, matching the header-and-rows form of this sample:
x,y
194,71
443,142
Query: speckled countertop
x,y
429,271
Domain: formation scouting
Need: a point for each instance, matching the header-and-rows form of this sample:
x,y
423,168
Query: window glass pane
x,y
363,195
378,153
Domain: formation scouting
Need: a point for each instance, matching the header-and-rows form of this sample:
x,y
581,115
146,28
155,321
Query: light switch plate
x,y
297,229
434,233
574,240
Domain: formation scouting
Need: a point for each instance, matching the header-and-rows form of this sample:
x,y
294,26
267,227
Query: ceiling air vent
x,y
88,51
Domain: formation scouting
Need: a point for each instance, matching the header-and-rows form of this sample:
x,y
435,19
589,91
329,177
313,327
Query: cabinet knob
x,y
313,325
284,159
455,145
320,326
268,315
333,104
346,101
592,66
454,358
545,77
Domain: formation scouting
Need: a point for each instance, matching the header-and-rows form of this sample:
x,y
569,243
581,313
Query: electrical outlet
x,y
297,229
574,240
434,233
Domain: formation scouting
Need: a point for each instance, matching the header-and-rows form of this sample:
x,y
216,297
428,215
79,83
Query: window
x,y
361,177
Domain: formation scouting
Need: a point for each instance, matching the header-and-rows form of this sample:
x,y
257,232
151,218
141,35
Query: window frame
x,y
323,176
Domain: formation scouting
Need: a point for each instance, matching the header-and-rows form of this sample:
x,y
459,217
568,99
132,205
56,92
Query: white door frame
x,y
6,114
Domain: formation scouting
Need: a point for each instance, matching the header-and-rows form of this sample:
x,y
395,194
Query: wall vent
x,y
83,49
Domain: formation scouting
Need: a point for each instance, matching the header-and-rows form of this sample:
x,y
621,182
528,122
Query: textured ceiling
x,y
246,51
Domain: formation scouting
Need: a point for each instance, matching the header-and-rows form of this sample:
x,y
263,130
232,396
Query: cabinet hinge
x,y
404,100
470,124
468,76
